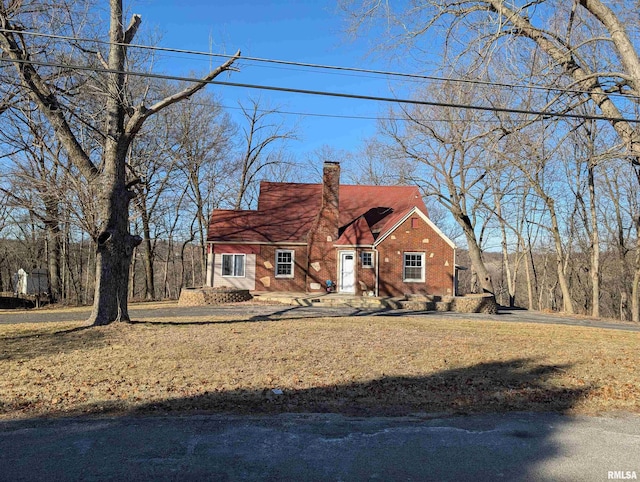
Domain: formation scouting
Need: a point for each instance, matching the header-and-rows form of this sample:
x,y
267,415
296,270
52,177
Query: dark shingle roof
x,y
287,211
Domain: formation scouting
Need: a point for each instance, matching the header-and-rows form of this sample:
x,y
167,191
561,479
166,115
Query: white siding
x,y
248,282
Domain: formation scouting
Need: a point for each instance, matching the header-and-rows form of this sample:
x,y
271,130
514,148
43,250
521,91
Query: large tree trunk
x,y
115,248
475,254
115,243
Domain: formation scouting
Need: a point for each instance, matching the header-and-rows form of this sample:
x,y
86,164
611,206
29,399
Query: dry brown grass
x,y
357,366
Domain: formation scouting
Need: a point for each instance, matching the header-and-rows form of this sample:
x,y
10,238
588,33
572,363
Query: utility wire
x,y
320,66
337,116
544,114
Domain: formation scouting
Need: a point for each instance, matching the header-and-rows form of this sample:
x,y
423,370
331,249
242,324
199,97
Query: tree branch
x,y
628,54
135,22
142,113
46,100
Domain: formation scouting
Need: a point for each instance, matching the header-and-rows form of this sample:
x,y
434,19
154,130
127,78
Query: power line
x,y
335,116
322,66
544,114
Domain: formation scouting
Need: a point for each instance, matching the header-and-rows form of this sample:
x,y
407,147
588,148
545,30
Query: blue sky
x,y
304,31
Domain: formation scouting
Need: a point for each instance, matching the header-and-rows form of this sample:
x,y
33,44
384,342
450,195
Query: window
x,y
284,263
233,265
367,259
413,267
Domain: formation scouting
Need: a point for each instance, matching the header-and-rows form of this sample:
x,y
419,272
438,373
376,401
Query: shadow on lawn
x,y
520,384
45,342
517,385
281,314
311,312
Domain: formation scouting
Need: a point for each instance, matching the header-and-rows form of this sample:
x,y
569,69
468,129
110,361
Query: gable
x,y
400,218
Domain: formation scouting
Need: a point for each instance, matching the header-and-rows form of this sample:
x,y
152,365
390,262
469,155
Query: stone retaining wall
x,y
484,303
211,296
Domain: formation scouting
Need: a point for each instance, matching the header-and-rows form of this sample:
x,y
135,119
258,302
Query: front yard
x,y
382,365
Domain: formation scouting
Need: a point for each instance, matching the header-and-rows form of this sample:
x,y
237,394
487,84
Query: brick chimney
x,y
330,209
321,253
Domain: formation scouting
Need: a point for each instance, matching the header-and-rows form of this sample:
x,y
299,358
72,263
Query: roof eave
x,y
267,243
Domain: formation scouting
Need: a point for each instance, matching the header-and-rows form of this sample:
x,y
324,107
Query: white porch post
x,y
209,265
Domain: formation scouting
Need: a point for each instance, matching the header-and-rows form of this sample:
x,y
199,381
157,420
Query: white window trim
x,y
244,265
369,266
293,265
422,270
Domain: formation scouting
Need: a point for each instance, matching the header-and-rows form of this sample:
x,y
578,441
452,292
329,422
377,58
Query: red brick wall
x,y
365,275
266,265
322,260
439,261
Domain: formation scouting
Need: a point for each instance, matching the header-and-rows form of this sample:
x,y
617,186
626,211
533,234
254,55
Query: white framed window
x,y
284,263
233,265
367,259
413,267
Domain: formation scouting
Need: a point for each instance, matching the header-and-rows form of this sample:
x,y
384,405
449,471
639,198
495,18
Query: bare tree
x,y
582,57
479,31
618,207
534,157
200,145
150,161
38,183
263,136
582,162
122,123
445,147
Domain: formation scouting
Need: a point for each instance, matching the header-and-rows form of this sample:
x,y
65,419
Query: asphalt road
x,y
510,447
260,312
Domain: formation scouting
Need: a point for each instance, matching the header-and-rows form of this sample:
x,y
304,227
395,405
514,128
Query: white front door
x,y
347,278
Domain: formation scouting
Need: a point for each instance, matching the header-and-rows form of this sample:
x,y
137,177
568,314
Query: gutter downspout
x,y
455,274
377,269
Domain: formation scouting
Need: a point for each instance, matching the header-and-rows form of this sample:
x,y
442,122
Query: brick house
x,y
367,240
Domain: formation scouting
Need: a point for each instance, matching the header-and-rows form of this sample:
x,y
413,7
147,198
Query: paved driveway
x,y
261,312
